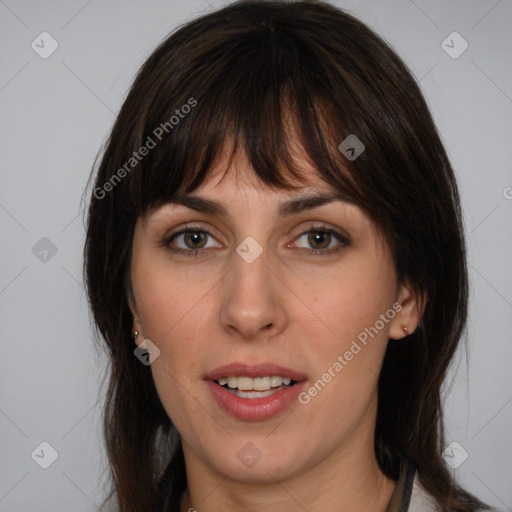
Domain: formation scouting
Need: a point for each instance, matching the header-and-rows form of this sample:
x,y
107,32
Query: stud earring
x,y
404,328
135,334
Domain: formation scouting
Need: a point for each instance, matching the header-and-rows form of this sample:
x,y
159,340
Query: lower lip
x,y
255,409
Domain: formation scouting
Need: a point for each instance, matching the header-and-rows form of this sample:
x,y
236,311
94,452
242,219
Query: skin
x,y
288,306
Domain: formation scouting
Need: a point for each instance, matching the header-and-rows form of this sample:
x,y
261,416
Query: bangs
x,y
263,94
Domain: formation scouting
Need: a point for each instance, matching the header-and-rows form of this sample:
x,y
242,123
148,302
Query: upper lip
x,y
254,370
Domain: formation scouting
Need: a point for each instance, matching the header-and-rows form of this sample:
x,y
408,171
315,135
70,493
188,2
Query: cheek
x,y
175,308
343,389
176,372
349,299
168,296
349,347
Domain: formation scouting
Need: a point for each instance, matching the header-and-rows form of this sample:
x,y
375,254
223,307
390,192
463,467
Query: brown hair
x,y
256,73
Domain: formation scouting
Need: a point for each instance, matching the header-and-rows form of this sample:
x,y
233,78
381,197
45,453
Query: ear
x,y
137,327
409,308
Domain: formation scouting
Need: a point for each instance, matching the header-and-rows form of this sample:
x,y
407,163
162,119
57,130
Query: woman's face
x,y
276,289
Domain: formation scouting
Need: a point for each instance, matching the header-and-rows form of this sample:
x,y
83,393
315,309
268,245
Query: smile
x,y
254,393
255,384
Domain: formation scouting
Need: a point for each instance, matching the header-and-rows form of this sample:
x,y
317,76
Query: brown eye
x,y
190,241
194,239
320,241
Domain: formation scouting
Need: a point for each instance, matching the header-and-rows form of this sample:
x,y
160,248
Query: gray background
x,y
56,112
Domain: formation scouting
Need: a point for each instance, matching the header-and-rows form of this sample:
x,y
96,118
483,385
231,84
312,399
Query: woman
x,y
276,262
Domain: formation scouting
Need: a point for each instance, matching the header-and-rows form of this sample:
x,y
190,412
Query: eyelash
x,y
166,241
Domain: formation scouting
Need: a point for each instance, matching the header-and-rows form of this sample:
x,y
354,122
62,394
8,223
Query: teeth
x,y
256,384
244,383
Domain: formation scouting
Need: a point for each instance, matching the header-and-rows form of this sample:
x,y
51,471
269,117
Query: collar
x,y
401,497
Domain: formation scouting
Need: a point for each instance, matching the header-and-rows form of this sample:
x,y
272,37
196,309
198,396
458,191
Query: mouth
x,y
254,392
258,387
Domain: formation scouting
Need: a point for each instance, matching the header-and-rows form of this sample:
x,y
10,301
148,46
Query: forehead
x,y
232,188
223,200
231,179
237,174
233,191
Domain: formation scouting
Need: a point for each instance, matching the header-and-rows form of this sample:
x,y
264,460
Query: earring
x,y
404,328
135,334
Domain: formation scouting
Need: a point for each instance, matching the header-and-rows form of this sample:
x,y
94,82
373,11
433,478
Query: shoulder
x,y
422,501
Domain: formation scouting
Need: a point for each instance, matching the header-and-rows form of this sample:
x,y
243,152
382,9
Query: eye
x,y
322,240
189,241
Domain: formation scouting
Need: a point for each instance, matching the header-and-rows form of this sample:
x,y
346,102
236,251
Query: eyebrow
x,y
289,207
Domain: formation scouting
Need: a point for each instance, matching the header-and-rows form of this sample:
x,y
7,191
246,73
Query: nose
x,y
253,301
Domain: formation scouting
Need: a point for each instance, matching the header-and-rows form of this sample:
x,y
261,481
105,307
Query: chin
x,y
257,462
